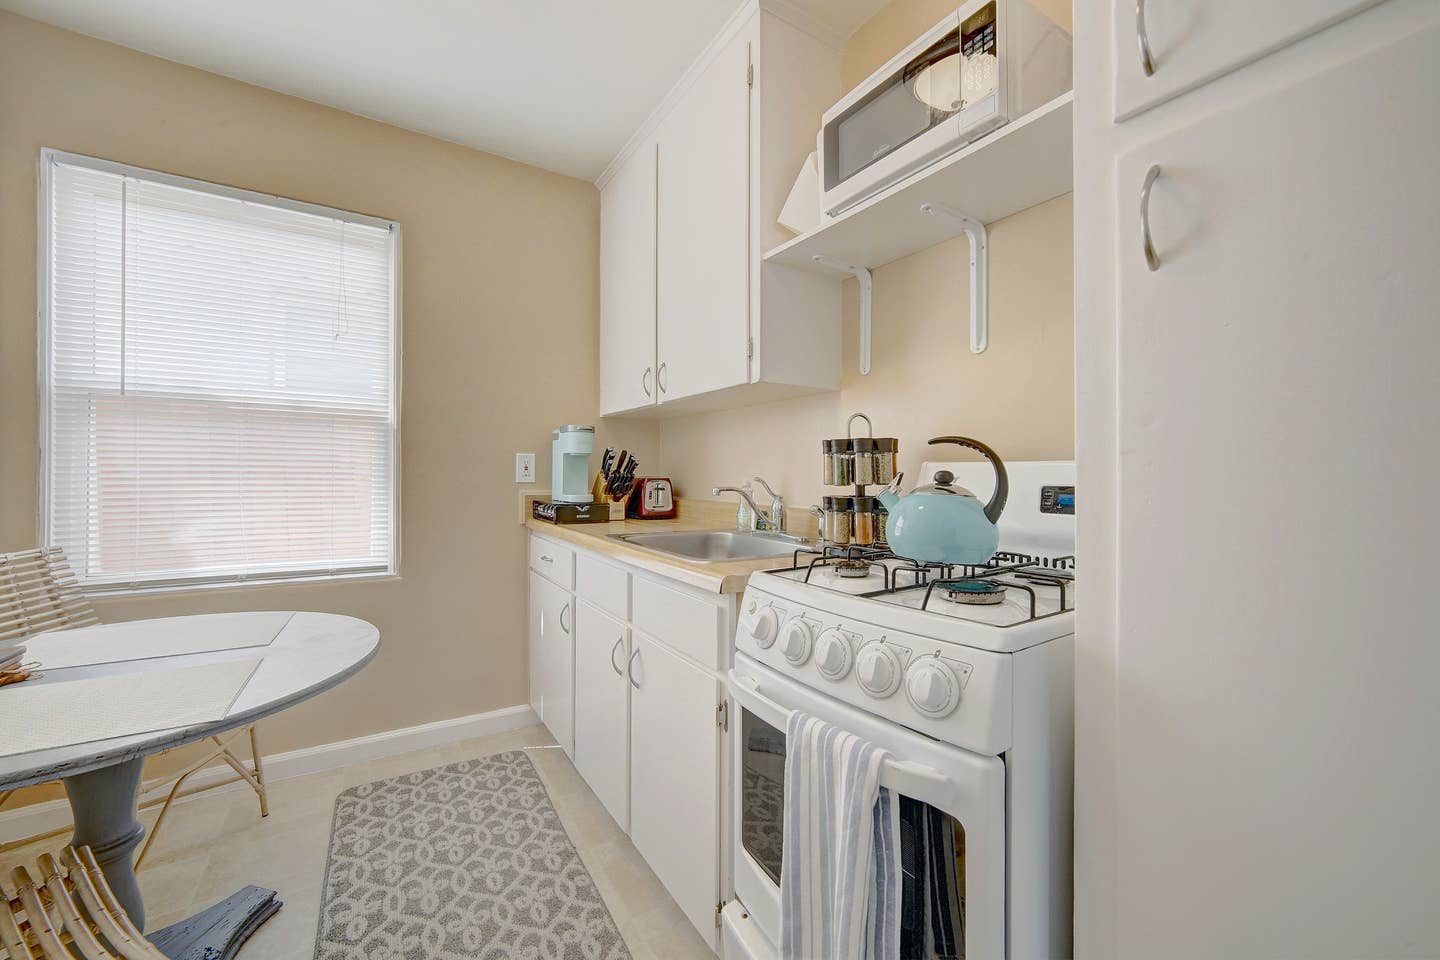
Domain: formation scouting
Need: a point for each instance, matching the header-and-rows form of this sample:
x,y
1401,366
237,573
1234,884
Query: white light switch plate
x,y
524,468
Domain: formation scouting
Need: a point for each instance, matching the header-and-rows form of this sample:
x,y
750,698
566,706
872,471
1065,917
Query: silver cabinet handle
x,y
630,668
660,382
563,625
547,559
1152,259
1142,37
613,665
645,381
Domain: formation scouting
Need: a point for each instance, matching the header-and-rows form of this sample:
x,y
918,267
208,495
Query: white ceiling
x,y
560,84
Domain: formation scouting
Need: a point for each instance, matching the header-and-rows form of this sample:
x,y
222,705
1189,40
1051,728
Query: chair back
x,y
39,592
67,911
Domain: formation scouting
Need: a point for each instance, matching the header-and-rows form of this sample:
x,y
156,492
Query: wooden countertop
x,y
728,576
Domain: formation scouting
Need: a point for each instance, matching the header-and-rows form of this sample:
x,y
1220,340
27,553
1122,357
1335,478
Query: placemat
x,y
145,639
39,716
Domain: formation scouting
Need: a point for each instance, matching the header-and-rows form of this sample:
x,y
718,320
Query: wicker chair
x,y
39,592
69,911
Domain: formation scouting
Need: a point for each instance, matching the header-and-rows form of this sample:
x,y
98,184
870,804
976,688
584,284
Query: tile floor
x,y
214,845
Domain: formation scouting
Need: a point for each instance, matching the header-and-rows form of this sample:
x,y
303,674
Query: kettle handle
x,y
1002,479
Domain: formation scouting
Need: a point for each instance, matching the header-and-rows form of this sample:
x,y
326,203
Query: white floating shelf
x,y
1023,163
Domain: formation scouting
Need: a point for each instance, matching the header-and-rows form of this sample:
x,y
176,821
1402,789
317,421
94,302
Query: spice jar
x,y
833,453
835,521
839,462
885,454
864,521
864,452
882,520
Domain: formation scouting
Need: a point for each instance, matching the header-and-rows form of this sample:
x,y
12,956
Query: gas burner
x,y
852,569
974,592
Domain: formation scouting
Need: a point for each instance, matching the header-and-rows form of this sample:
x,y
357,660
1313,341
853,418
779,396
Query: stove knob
x,y
932,687
796,640
763,628
832,655
878,669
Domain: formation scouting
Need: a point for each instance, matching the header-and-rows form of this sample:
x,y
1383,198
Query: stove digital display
x,y
1059,500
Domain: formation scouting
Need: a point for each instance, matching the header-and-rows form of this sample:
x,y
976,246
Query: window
x,y
219,375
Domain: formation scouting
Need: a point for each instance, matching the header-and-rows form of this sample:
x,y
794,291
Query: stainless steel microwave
x,y
989,62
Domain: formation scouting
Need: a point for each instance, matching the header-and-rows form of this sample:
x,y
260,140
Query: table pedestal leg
x,y
103,803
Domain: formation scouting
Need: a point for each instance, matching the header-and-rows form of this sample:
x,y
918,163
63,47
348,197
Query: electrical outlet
x,y
524,468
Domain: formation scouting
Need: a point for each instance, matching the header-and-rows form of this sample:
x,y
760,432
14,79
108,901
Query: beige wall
x,y
500,327
1018,395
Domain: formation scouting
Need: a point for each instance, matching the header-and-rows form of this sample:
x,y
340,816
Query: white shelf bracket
x,y
867,293
979,273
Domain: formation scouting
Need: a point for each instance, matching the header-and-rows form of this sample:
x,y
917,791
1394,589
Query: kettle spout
x,y
890,496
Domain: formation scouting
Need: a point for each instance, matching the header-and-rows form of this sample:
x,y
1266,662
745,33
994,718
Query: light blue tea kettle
x,y
944,523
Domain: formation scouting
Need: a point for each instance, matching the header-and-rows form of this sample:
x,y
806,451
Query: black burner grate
x,y
1012,570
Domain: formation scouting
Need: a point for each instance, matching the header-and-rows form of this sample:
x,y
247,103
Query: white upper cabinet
x,y
707,175
703,270
627,285
1192,43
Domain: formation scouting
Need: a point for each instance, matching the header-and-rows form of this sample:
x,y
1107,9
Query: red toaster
x,y
652,498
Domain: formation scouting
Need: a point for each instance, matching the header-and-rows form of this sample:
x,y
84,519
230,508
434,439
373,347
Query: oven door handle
x,y
903,776
748,690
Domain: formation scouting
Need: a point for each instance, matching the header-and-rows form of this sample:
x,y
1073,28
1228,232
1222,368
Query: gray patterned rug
x,y
465,861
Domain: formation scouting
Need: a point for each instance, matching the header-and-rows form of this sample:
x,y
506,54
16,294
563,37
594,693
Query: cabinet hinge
x,y
750,75
722,715
719,909
749,348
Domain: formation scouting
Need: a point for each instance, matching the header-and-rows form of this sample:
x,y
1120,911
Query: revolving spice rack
x,y
857,463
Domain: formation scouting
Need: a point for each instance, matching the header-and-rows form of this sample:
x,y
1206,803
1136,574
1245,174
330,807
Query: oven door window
x,y
932,871
932,847
762,788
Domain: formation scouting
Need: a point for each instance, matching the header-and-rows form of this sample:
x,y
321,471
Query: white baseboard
x,y
38,818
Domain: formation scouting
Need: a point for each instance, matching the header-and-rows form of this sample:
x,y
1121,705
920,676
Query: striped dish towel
x,y
840,875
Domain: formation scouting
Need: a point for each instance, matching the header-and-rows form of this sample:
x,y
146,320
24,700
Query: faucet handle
x,y
761,481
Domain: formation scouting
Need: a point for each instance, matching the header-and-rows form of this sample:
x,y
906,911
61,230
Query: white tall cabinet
x,y
690,318
1258,437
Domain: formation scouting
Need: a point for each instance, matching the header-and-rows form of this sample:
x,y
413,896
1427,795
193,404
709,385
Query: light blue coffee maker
x,y
570,463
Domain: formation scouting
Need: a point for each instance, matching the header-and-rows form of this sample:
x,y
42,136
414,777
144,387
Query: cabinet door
x,y
1279,438
704,217
534,651
602,709
552,660
1193,43
675,777
627,285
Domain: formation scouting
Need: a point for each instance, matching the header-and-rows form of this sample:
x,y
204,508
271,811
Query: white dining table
x,y
297,655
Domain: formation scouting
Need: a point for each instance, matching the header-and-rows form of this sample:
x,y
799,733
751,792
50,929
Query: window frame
x,y
49,157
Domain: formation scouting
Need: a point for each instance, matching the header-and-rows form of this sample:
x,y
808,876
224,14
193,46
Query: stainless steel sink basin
x,y
713,546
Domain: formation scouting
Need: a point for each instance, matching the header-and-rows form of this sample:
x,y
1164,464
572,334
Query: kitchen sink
x,y
713,546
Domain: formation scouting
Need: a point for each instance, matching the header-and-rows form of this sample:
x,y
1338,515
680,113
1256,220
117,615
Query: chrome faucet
x,y
761,519
777,507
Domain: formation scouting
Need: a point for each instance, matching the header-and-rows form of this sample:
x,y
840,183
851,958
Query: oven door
x,y
952,811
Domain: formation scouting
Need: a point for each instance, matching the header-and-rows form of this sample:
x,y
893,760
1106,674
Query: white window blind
x,y
220,381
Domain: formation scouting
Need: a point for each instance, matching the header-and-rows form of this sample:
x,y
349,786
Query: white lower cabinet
x,y
552,659
602,709
629,679
675,777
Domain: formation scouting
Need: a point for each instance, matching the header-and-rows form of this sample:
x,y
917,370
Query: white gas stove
x,y
964,675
